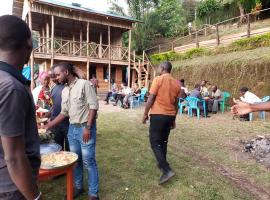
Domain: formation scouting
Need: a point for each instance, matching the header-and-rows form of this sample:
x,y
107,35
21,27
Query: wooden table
x,y
46,174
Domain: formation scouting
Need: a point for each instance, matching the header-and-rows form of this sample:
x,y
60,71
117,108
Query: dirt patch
x,y
260,149
237,178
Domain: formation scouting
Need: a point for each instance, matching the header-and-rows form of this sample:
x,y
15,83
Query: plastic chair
x,y
142,95
193,104
182,104
224,103
134,101
261,113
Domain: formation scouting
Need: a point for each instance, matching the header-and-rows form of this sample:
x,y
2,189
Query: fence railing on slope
x,y
217,34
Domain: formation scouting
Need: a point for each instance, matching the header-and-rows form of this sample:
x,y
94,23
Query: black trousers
x,y
160,126
60,137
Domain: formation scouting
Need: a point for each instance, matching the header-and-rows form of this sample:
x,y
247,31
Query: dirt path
x,y
239,179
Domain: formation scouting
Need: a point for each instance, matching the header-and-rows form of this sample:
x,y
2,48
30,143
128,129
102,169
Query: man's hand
x,y
44,126
86,135
173,125
145,118
241,108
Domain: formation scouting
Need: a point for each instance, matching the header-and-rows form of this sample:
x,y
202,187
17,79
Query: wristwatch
x,y
87,127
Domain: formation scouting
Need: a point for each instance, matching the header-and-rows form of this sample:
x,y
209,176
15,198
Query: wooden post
x,y
248,25
217,32
100,45
172,46
88,56
109,43
52,42
197,39
32,54
80,41
73,44
43,40
158,48
134,61
47,36
140,74
147,76
205,31
129,56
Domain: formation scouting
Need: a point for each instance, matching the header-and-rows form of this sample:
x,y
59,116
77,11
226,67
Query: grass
x,y
128,170
240,57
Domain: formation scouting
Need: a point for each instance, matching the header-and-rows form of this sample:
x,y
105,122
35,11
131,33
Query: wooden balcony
x,y
69,50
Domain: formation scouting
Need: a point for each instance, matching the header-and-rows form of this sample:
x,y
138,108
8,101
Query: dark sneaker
x,y
166,176
77,192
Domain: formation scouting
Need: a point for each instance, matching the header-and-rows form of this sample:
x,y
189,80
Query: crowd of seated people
x,y
123,94
200,91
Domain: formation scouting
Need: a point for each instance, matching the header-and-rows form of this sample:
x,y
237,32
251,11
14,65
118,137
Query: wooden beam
x,y
88,57
217,32
248,25
52,42
80,42
73,44
109,44
147,76
47,36
32,54
129,55
43,39
100,45
140,75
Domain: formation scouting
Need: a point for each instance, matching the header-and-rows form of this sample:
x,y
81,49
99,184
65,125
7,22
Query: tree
x,y
115,8
244,6
208,7
171,18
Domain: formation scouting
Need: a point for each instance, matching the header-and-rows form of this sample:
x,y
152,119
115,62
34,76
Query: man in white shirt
x,y
248,97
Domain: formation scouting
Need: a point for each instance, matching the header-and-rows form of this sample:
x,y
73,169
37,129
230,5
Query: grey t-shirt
x,y
17,117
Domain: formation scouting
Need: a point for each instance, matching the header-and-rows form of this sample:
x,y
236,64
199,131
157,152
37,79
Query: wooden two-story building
x,y
90,40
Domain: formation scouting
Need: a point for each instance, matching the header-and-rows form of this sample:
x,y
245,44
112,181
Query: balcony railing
x,y
81,49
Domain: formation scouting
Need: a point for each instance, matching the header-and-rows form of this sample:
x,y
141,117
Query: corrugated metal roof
x,y
70,6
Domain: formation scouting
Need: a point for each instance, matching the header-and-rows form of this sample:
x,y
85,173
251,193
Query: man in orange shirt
x,y
163,102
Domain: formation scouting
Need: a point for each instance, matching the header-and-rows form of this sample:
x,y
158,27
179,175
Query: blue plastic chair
x,y
138,100
134,102
193,104
261,113
224,102
182,104
142,95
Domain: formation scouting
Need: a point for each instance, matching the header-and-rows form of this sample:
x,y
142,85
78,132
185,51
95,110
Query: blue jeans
x,y
86,153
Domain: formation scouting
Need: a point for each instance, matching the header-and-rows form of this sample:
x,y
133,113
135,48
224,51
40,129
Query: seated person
x,y
135,92
122,93
247,97
184,91
204,89
112,93
215,98
196,93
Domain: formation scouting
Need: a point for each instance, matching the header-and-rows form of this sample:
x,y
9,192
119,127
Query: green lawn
x,y
128,170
